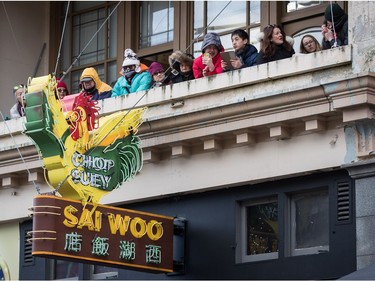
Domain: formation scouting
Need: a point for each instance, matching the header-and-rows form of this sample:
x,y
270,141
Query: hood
x,y
338,13
90,72
180,57
212,38
339,16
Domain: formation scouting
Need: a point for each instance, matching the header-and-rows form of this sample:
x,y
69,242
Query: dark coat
x,y
96,96
247,56
342,38
182,77
281,53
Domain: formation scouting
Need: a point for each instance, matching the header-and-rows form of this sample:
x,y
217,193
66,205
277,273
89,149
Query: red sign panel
x,y
110,236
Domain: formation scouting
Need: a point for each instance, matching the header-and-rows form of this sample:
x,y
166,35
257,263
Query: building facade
x,y
271,166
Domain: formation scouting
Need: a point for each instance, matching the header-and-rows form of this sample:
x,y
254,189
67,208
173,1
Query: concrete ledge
x,y
298,64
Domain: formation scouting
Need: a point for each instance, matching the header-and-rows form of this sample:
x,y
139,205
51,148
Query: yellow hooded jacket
x,y
90,72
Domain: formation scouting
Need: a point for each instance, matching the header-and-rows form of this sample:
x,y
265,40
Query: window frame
x,y
152,50
170,5
248,26
241,255
291,243
103,275
68,37
285,222
306,18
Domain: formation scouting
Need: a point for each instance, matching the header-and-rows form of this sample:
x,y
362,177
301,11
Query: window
x,y
103,272
309,223
290,224
86,49
156,23
260,230
223,18
299,5
66,270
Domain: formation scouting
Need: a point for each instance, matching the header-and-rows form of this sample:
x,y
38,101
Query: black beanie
x,y
338,13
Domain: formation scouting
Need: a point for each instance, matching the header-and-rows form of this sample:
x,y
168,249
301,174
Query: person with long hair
x,y
309,44
275,45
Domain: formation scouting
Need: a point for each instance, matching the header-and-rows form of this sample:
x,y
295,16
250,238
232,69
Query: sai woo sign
x,y
64,228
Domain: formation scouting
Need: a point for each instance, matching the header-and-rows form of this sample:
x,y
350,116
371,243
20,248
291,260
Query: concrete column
x,y
362,34
363,173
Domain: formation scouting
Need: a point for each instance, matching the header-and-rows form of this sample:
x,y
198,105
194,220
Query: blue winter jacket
x,y
140,82
248,55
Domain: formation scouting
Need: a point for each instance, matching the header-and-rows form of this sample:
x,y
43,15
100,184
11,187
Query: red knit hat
x,y
61,84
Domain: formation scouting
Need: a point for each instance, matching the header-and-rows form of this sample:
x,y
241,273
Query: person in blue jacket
x,y
134,78
246,54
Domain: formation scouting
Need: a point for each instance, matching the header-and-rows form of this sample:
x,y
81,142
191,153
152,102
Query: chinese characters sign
x,y
106,235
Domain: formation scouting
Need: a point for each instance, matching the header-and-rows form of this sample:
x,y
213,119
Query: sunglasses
x,y
20,86
62,90
271,26
128,67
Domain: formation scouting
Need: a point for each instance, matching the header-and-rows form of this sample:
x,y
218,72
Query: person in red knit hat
x,y
62,89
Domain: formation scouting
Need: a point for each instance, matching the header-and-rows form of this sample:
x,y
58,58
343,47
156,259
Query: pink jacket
x,y
198,66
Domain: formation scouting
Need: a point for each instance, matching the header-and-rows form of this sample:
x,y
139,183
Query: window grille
x,y
343,202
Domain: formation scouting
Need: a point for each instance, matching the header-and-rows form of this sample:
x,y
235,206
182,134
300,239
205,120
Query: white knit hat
x,y
130,58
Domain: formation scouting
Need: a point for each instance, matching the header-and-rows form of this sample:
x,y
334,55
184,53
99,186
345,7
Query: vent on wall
x,y
343,202
28,258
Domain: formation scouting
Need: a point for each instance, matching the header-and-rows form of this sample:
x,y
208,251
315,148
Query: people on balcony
x,y
93,86
309,44
209,63
335,27
246,54
275,45
18,110
134,76
182,67
61,89
157,73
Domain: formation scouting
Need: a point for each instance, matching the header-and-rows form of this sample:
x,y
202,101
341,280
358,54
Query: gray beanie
x,y
212,39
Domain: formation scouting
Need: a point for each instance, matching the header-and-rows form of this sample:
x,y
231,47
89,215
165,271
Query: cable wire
x,y
11,28
203,31
333,26
62,38
77,58
92,38
143,95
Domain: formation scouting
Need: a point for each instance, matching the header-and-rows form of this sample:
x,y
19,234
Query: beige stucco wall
x,y
24,28
10,246
269,90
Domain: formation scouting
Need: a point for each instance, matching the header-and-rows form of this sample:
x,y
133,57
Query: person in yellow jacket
x,y
93,86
